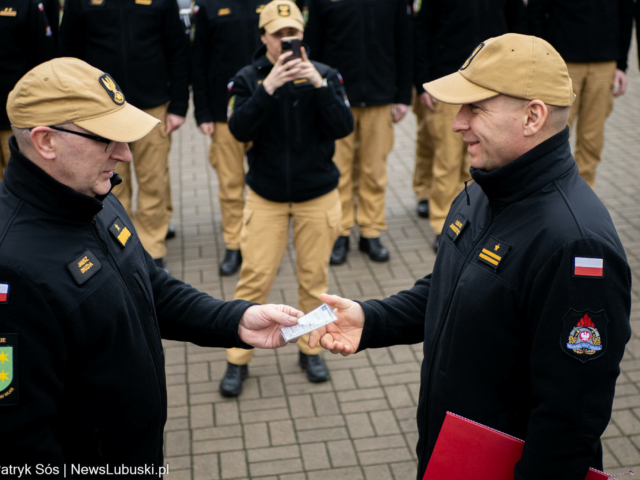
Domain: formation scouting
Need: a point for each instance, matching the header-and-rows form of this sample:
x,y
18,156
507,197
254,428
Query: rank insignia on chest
x,y
588,267
457,225
224,11
4,293
493,252
143,2
97,3
120,232
583,336
8,12
84,267
8,369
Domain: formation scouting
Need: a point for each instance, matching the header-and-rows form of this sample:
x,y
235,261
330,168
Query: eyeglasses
x,y
110,144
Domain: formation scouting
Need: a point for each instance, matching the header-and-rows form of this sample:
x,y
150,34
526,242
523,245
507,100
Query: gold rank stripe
x,y
8,12
124,236
490,257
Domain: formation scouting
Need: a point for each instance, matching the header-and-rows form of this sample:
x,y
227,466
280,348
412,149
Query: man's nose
x,y
122,152
461,122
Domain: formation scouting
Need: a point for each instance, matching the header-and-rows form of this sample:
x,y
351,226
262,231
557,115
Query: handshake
x,y
261,325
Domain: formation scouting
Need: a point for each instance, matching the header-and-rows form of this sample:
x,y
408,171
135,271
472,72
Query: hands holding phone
x,y
286,71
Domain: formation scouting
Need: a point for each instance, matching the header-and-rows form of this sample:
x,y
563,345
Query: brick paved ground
x,y
361,425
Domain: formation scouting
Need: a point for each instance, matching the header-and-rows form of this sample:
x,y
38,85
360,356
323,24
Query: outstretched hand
x,y
260,325
342,336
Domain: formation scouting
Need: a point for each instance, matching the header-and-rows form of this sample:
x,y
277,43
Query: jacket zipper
x,y
117,269
288,148
430,376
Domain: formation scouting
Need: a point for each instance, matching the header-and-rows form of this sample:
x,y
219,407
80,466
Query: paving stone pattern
x,y
360,425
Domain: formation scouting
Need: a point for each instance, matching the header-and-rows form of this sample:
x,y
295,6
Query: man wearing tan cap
x,y
525,317
83,306
292,110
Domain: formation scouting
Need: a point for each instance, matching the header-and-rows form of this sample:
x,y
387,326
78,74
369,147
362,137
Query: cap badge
x,y
284,10
473,55
112,89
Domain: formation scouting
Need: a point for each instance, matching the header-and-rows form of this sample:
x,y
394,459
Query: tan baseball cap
x,y
281,14
68,90
520,66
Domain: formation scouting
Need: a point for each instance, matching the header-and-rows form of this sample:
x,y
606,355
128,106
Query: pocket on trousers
x,y
246,217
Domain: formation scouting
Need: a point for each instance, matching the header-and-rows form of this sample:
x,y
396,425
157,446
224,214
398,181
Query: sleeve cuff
x,y
178,109
369,327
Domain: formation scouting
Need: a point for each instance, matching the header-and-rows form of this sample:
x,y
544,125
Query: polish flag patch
x,y
588,267
4,292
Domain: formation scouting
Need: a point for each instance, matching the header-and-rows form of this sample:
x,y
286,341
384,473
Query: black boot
x,y
423,208
231,263
317,370
373,246
231,384
339,252
171,232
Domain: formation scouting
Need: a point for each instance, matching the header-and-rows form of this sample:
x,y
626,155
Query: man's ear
x,y
536,116
44,142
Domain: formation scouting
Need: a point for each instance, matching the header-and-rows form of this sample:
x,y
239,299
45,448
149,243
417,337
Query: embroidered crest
x,y
584,334
8,369
284,10
457,226
112,89
230,107
473,55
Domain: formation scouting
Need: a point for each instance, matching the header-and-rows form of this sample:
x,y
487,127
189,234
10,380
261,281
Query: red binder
x,y
469,450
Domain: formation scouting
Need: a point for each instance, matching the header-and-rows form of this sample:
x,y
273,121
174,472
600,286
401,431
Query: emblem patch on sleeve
x,y
4,293
8,369
584,334
456,227
84,267
588,267
120,232
493,252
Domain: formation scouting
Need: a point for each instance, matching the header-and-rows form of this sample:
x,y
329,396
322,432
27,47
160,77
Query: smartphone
x,y
291,44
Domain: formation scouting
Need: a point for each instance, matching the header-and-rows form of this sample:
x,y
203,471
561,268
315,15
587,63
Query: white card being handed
x,y
317,318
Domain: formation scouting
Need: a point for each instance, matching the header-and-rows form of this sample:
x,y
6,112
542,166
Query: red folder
x,y
468,450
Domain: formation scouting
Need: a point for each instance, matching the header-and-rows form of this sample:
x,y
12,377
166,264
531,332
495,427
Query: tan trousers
x,y
265,234
423,171
373,133
450,163
226,156
151,165
593,86
4,150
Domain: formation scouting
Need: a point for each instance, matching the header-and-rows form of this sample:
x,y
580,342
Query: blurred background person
x,y
445,34
28,29
593,37
292,110
226,36
370,44
143,46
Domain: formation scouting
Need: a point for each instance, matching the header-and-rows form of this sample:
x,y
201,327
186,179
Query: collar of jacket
x,y
528,173
30,183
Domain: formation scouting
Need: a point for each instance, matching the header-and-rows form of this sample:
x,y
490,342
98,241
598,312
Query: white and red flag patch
x,y
588,267
4,292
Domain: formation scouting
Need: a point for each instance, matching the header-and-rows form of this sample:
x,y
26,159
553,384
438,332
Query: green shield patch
x,y
6,367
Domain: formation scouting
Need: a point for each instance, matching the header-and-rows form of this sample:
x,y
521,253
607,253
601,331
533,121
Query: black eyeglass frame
x,y
97,138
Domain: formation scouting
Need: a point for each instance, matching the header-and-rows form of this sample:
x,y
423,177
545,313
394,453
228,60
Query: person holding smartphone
x,y
292,110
